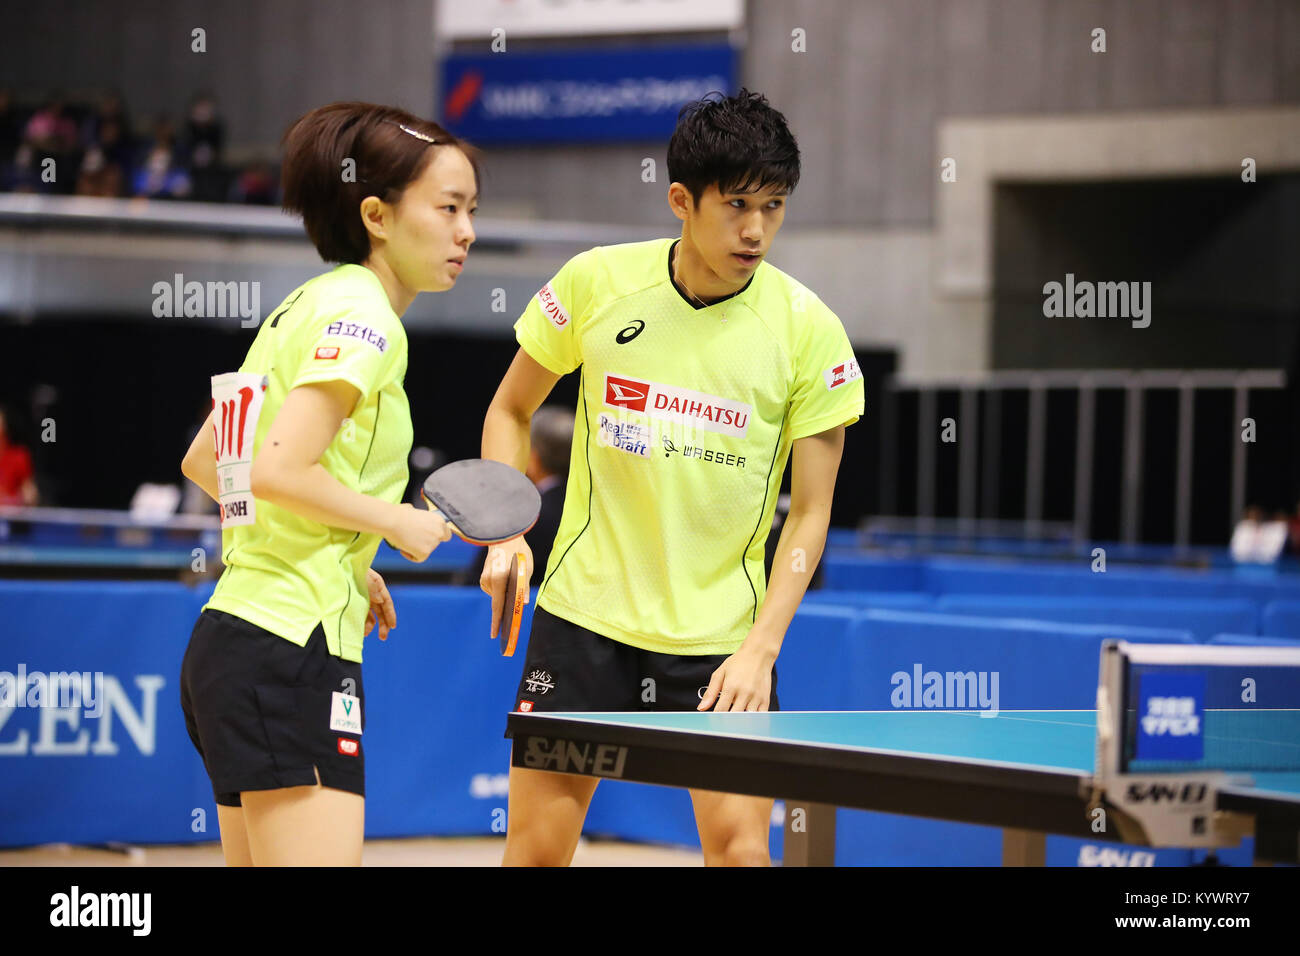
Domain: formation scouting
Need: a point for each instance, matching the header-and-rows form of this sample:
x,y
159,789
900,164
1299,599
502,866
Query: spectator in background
x,y
98,176
49,135
17,479
51,131
1293,532
115,142
205,134
1257,541
160,176
551,439
255,185
110,112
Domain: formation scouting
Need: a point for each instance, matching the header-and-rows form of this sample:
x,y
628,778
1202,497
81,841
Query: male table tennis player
x,y
703,369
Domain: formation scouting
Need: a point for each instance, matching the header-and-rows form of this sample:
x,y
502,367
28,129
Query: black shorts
x,y
571,668
261,710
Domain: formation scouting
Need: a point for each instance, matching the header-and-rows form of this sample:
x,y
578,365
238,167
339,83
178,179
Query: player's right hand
x,y
496,570
418,531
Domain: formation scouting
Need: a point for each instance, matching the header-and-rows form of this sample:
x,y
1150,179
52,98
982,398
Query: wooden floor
x,y
420,851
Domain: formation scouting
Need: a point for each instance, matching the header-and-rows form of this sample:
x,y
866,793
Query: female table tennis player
x,y
271,681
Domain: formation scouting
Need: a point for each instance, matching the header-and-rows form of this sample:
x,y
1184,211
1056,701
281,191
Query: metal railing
x,y
1086,382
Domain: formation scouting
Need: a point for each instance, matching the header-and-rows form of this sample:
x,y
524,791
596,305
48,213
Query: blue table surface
x,y
1037,740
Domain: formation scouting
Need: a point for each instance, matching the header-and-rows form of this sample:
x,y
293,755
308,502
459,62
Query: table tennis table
x,y
1028,772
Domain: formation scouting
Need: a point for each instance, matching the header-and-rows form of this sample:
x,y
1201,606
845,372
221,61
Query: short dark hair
x,y
551,434
738,143
390,151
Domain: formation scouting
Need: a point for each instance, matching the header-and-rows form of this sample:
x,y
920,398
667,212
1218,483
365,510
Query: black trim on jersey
x,y
587,449
766,488
685,298
276,318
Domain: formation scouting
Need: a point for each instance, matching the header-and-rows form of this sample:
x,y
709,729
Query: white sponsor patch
x,y
551,306
625,436
236,406
706,412
841,374
345,713
355,330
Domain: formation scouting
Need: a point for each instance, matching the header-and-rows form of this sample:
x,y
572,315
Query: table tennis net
x,y
1238,713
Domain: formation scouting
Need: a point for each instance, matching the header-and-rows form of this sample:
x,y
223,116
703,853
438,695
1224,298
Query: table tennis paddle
x,y
484,501
506,626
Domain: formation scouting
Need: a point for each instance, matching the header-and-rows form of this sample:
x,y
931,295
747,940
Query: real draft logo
x,y
60,704
131,910
957,690
625,436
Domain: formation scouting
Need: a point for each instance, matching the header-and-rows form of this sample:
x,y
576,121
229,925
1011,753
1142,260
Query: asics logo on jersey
x,y
635,329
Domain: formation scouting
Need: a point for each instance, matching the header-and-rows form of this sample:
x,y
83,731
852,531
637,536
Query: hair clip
x,y
416,133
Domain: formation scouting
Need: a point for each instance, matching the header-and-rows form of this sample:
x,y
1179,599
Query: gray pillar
x,y
1131,512
1083,462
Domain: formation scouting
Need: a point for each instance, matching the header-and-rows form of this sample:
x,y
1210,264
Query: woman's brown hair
x,y
388,148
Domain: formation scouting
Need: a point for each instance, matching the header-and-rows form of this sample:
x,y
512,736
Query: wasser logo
x,y
960,690
707,412
131,910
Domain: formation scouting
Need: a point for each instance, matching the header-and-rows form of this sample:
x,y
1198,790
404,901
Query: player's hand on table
x,y
496,570
417,531
742,682
381,606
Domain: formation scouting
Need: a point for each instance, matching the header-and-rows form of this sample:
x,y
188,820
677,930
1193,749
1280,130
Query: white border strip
x,y
1221,655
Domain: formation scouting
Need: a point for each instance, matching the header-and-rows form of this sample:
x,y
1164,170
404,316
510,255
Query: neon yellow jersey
x,y
286,573
684,427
